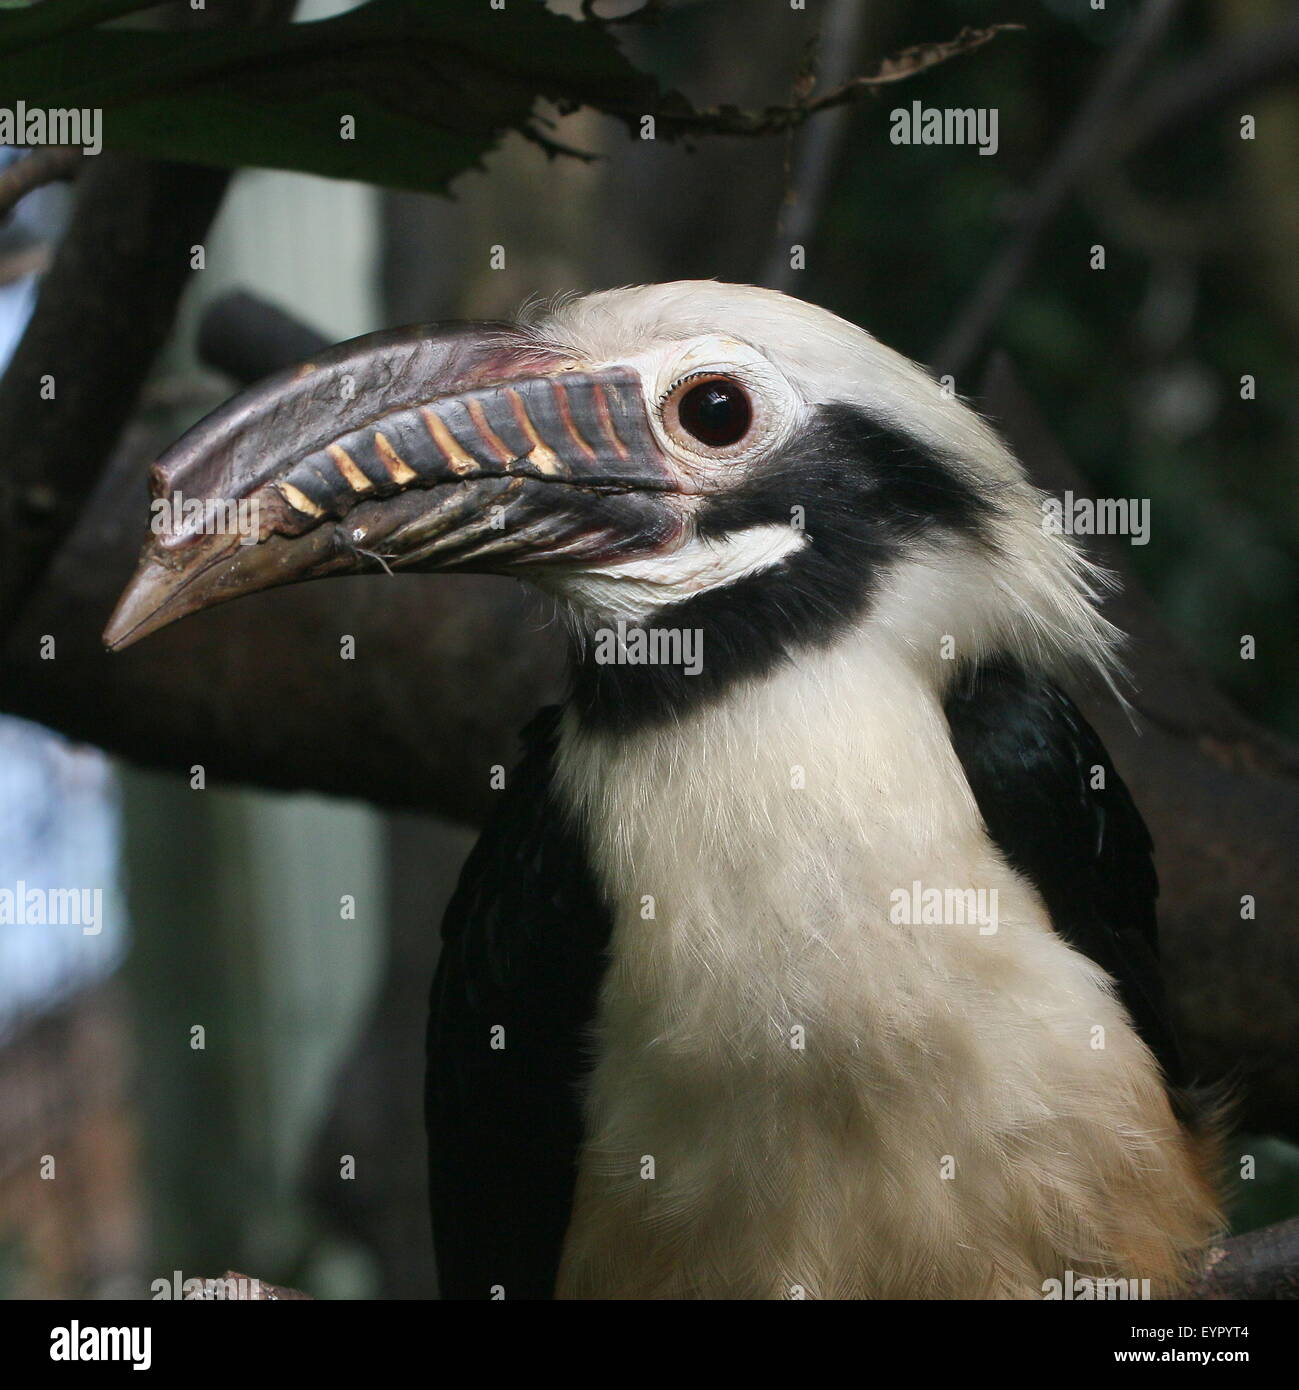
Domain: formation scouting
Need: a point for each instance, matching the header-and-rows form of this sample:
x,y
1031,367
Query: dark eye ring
x,y
715,410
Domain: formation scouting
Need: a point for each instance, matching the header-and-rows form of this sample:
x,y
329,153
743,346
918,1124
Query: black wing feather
x,y
1029,756
524,945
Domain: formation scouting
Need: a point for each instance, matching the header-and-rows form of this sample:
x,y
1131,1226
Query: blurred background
x,y
298,931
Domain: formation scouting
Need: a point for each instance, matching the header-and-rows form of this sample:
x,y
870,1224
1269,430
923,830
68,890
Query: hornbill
x,y
714,1016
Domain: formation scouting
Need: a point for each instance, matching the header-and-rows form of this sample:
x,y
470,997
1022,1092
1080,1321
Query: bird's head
x,y
690,456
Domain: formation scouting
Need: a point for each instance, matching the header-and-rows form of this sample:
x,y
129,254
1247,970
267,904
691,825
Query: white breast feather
x,y
768,831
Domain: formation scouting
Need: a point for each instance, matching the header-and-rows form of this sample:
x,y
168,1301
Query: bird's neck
x,y
836,766
757,998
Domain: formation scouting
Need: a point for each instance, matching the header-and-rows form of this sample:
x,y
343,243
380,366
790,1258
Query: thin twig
x,y
816,146
677,117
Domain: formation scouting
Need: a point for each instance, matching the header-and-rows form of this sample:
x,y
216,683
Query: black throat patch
x,y
860,493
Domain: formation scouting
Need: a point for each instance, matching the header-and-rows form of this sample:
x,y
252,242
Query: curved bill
x,y
439,447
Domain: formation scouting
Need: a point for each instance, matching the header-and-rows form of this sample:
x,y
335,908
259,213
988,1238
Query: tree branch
x,y
1083,141
815,148
1209,82
1258,1265
104,311
247,338
676,117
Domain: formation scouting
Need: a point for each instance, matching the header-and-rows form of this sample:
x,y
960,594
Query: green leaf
x,y
51,18
403,93
428,88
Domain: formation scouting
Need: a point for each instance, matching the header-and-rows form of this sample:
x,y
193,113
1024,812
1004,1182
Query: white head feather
x,y
1032,593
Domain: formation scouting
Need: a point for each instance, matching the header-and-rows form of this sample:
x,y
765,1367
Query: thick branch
x,y
447,668
104,312
105,309
247,338
1260,1264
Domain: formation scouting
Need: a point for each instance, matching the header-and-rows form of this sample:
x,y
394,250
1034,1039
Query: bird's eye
x,y
715,410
